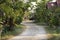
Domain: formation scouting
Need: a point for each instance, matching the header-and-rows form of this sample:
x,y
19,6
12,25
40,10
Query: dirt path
x,y
33,32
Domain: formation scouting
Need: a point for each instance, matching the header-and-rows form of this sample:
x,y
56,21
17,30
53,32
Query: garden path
x,y
32,32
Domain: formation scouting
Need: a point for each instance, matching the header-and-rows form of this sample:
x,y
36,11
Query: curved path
x,y
33,32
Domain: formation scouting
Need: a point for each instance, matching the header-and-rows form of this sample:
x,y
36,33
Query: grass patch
x,y
52,30
18,30
54,37
54,33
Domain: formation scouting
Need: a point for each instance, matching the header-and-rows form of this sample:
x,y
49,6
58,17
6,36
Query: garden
x,y
49,17
12,13
11,16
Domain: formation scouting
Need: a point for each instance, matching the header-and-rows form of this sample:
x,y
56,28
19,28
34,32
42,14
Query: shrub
x,y
18,20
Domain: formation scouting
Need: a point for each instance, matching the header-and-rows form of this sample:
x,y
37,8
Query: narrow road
x,y
33,32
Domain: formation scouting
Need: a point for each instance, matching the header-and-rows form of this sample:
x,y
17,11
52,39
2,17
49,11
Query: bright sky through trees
x,y
54,0
38,0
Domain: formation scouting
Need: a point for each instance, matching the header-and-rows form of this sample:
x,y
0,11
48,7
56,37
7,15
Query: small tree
x,y
13,12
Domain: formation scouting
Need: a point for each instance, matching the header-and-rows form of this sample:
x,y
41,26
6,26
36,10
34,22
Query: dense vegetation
x,y
47,16
11,14
50,17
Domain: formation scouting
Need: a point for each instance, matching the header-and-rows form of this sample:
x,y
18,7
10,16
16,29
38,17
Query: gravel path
x,y
32,32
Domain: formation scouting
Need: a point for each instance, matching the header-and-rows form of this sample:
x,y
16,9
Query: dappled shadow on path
x,y
32,32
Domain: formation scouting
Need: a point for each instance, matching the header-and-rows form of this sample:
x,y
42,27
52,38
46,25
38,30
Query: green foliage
x,y
32,0
13,12
55,37
40,12
18,20
2,1
49,16
17,30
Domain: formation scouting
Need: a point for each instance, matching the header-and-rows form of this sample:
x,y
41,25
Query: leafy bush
x,y
18,20
49,16
11,14
7,28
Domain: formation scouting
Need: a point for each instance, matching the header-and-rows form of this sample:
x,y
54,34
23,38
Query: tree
x,y
41,11
12,13
48,16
